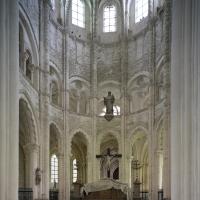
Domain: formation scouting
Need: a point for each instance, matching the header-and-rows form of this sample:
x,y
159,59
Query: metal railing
x,y
144,195
25,194
53,195
160,195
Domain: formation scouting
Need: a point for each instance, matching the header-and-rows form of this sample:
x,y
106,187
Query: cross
x,y
108,158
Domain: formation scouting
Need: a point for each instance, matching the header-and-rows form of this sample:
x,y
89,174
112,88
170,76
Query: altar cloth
x,y
106,184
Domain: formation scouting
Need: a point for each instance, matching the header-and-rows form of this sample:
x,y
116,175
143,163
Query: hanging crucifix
x,y
108,157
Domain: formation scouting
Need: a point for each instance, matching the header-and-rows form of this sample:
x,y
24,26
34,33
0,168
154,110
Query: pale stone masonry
x,y
54,76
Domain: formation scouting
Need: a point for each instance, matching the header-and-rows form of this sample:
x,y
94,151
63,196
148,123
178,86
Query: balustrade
x,y
53,195
25,194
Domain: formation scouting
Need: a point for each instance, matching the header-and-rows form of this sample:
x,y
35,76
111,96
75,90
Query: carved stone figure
x,y
108,102
37,176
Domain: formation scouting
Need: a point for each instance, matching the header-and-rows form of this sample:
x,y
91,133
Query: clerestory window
x,y
141,10
78,13
109,18
53,4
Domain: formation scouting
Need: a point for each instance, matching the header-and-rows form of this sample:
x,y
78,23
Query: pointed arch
x,y
28,115
79,153
25,21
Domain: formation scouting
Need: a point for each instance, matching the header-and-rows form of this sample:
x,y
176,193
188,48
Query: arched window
x,y
75,171
78,13
141,9
116,110
54,169
53,4
109,18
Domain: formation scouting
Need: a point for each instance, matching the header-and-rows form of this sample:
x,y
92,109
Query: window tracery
x,y
78,13
109,18
54,169
141,10
53,4
75,171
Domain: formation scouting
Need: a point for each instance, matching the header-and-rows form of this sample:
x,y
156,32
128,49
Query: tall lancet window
x,y
54,169
75,171
109,18
78,13
141,9
53,4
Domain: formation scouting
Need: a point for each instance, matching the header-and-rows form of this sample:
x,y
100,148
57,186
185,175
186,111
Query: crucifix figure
x,y
108,157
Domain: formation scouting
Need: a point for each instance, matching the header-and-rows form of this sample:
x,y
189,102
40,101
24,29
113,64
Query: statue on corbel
x,y
28,66
38,175
108,102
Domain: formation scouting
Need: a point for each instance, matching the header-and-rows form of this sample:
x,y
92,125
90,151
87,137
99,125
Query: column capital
x,y
60,155
129,158
31,147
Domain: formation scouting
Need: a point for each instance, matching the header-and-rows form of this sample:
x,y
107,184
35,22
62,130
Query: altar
x,y
106,189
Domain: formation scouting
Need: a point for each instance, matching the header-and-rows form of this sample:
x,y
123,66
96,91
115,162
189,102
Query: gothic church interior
x,y
99,90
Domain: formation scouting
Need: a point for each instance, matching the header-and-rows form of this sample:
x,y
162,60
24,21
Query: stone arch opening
x,y
139,165
107,168
28,51
55,152
139,92
79,152
28,148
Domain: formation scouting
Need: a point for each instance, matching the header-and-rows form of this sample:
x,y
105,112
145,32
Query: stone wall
x,y
87,63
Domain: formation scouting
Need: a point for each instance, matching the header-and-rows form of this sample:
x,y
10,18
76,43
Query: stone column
x,y
129,170
94,103
185,98
98,161
89,166
32,152
9,102
66,138
159,169
153,183
94,98
166,112
78,104
44,96
153,168
61,176
124,111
